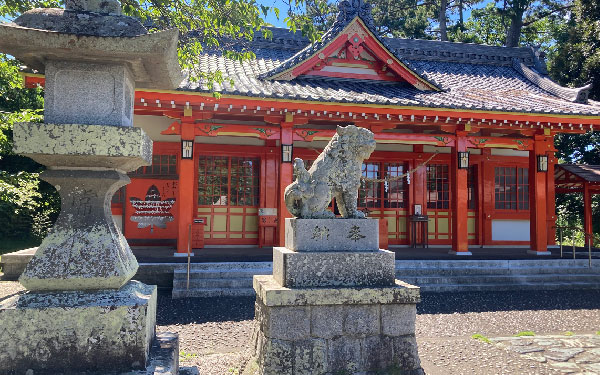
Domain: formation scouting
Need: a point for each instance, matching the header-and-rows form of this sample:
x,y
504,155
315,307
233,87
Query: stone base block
x,y
304,269
70,332
335,330
328,235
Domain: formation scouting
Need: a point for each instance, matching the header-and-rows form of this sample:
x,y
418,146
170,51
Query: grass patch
x,y
525,333
568,333
233,371
598,333
480,337
183,356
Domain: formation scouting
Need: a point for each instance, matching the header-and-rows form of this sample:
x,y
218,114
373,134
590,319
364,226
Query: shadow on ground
x,y
202,310
449,303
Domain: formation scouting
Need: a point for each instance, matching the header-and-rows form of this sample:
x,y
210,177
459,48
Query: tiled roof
x,y
470,76
590,173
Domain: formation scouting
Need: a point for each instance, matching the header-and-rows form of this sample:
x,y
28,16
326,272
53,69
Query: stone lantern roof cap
x,y
40,35
81,22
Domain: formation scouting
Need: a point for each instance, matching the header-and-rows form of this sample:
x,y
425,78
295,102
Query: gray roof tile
x,y
470,76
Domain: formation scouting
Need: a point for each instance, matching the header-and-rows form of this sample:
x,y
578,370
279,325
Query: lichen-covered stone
x,y
273,294
81,146
335,172
277,357
84,249
406,354
285,323
346,332
152,58
326,321
100,6
398,319
67,332
344,354
301,270
310,357
361,320
70,21
380,354
88,93
312,235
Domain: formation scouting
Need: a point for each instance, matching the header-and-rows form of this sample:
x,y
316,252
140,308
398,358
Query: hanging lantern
x,y
287,153
463,160
187,149
542,163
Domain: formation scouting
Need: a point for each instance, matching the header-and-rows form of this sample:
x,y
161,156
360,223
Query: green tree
x,y
28,206
488,25
576,62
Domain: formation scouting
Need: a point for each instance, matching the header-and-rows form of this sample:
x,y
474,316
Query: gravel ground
x,y
215,333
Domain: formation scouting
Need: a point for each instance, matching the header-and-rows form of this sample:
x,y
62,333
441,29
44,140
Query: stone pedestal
x,y
347,330
57,332
329,311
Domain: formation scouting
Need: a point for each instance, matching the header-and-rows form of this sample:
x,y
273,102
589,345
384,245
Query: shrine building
x,y
473,126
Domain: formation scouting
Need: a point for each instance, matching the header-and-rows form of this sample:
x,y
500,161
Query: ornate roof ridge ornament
x,y
349,9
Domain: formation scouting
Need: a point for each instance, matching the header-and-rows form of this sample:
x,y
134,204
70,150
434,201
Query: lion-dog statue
x,y
336,172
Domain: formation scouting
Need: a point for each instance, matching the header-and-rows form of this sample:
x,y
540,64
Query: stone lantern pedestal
x,y
327,311
81,312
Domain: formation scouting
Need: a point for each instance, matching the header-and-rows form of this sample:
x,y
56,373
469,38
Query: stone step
x,y
245,282
212,292
224,266
502,279
441,288
223,274
543,263
403,272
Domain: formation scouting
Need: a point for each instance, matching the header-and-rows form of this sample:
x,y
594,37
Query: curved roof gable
x,y
350,49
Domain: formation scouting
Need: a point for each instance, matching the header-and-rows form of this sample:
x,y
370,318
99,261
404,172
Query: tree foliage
x,y
28,206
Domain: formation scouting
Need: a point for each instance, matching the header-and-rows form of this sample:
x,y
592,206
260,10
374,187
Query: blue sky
x,y
283,8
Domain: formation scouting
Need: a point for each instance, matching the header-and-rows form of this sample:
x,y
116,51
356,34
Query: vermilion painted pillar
x,y
286,174
487,196
550,203
537,201
418,187
587,211
460,239
185,192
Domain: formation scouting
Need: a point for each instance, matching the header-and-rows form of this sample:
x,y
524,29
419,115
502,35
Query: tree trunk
x,y
513,34
460,15
442,20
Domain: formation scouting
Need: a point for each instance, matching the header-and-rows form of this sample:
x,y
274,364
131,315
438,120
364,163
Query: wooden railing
x,y
588,239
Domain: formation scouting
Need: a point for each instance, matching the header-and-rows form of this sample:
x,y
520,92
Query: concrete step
x,y
223,274
502,279
212,292
441,288
403,272
245,282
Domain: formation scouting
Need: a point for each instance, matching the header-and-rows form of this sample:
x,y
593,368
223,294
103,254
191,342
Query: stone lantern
x,y
81,311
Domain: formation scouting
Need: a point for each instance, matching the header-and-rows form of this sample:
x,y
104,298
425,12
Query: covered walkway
x,y
579,178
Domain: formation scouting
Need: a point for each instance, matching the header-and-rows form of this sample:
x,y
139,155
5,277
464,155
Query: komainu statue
x,y
336,172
